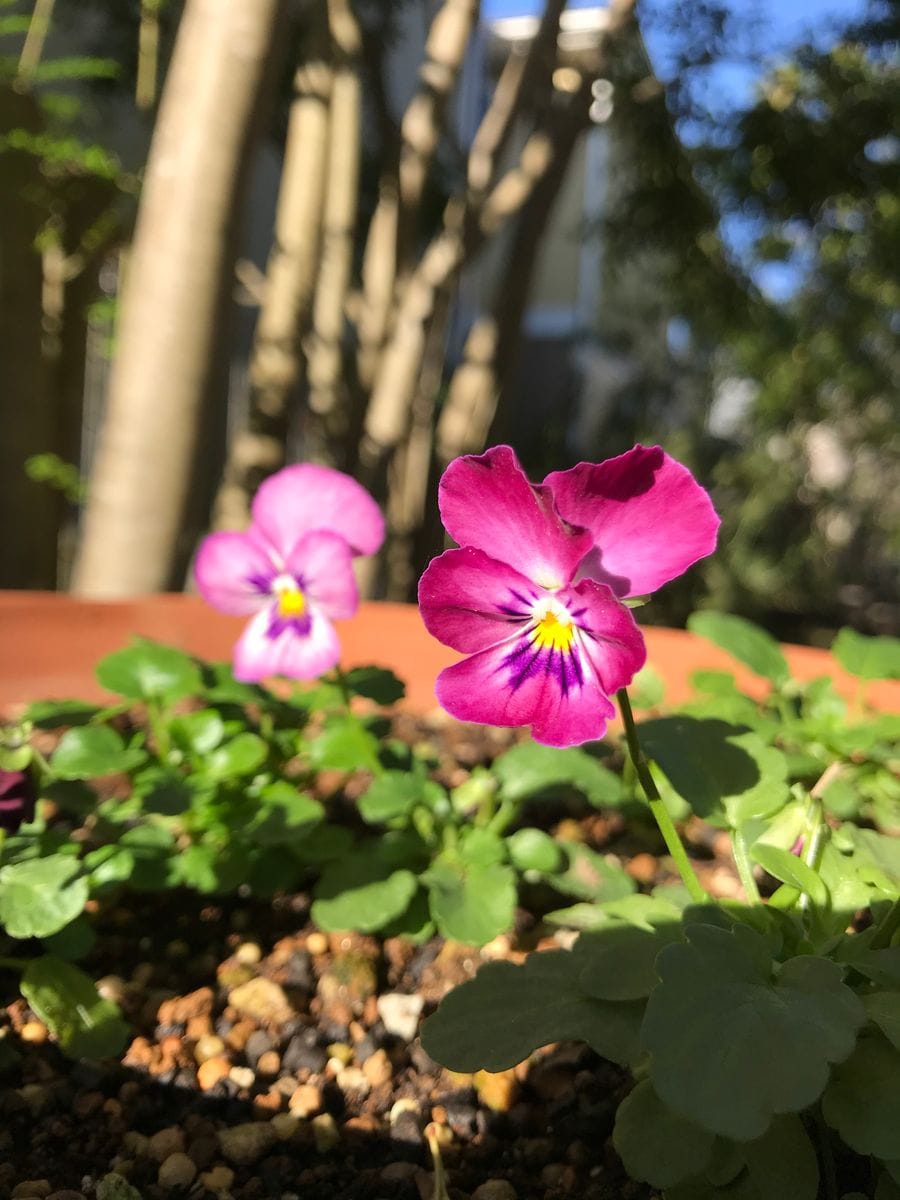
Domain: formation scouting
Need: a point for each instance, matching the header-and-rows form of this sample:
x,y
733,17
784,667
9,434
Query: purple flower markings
x,y
292,571
534,594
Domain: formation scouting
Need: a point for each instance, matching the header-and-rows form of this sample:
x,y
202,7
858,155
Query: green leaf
x,y
393,794
146,670
867,657
469,902
529,769
163,791
884,1010
782,1033
66,1000
208,869
198,732
344,745
745,641
221,687
40,896
782,1164
92,751
589,876
725,773
656,1144
362,892
375,683
154,865
647,689
57,714
620,960
283,815
73,941
863,1099
507,1011
788,868
240,757
533,850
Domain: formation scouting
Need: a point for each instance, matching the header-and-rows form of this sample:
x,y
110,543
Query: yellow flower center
x,y
551,633
291,602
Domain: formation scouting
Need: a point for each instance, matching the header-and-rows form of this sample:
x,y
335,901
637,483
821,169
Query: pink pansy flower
x,y
292,570
534,593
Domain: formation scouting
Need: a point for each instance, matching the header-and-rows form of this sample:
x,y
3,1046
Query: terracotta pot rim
x,y
50,643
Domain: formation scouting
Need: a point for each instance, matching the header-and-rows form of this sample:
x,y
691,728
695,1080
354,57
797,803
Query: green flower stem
x,y
885,932
660,812
503,816
13,964
744,864
159,729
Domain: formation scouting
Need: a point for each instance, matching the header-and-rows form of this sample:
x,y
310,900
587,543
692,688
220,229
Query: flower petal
x,y
649,518
470,601
322,564
487,502
233,573
304,497
562,695
296,649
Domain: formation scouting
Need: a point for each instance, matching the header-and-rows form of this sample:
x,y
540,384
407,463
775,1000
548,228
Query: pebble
x,y
285,1125
66,1194
34,1031
178,1171
212,1071
353,1080
326,1134
305,1101
340,1052
302,1054
258,1043
244,1144
400,1014
218,1179
269,1063
179,1009
497,1091
32,1187
114,1187
208,1047
317,944
248,954
261,999
242,1077
165,1143
643,868
495,1189
349,979
377,1068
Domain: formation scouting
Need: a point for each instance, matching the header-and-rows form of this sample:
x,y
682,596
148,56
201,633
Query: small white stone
x,y
400,1014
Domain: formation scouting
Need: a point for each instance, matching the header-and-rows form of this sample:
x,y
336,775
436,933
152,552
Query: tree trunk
x,y
275,363
181,266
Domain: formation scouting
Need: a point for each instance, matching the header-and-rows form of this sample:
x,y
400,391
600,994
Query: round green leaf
x,y
344,745
782,1032
656,1144
361,893
66,1000
41,895
788,868
747,643
590,877
284,814
782,1164
863,1099
198,732
884,1010
92,751
534,850
530,768
469,902
867,657
148,671
620,961
393,794
243,755
508,1010
375,683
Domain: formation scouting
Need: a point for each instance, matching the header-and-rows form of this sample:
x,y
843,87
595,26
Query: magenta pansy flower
x,y
534,594
18,799
292,571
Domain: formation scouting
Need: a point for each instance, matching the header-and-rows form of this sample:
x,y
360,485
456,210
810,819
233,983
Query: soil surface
x,y
271,1060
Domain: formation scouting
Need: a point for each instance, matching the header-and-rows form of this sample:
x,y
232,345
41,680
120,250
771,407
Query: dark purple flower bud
x,y
18,796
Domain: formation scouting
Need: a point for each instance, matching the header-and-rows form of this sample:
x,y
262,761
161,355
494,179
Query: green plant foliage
x,y
783,1030
529,769
867,657
533,850
235,759
364,891
148,671
66,1000
345,744
748,643
91,751
472,1029
40,896
374,683
863,1098
469,901
654,1143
